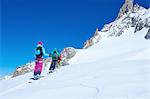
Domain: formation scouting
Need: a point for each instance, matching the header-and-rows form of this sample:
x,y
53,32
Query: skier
x,y
55,56
39,53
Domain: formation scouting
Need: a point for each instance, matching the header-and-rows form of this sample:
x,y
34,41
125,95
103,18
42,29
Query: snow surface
x,y
114,68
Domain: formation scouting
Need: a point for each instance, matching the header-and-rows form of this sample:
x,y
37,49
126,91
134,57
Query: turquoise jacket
x,y
37,52
52,55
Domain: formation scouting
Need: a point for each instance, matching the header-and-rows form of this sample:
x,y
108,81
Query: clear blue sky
x,y
58,23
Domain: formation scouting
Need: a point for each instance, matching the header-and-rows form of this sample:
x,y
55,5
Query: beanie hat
x,y
40,43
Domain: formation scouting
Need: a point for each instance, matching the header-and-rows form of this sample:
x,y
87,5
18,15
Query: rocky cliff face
x,y
127,7
136,17
67,54
147,36
94,39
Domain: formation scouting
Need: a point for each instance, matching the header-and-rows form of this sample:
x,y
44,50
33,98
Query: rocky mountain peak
x,y
130,16
127,7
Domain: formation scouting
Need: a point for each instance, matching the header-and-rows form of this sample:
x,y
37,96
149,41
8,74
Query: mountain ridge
x,y
135,16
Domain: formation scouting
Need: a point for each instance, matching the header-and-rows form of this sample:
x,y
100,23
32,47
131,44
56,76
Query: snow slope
x,y
114,68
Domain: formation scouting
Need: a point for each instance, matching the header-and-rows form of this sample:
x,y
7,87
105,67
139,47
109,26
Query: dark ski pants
x,y
53,64
38,72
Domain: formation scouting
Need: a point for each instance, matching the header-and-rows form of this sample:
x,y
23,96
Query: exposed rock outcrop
x,y
67,54
127,7
23,69
148,35
95,39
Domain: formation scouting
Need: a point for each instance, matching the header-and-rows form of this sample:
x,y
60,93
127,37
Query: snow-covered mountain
x,y
137,17
114,64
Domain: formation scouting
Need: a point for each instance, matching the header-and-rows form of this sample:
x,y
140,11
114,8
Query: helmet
x,y
40,43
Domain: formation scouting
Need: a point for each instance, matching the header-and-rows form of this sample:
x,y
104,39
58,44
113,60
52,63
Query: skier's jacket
x,y
55,55
40,52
